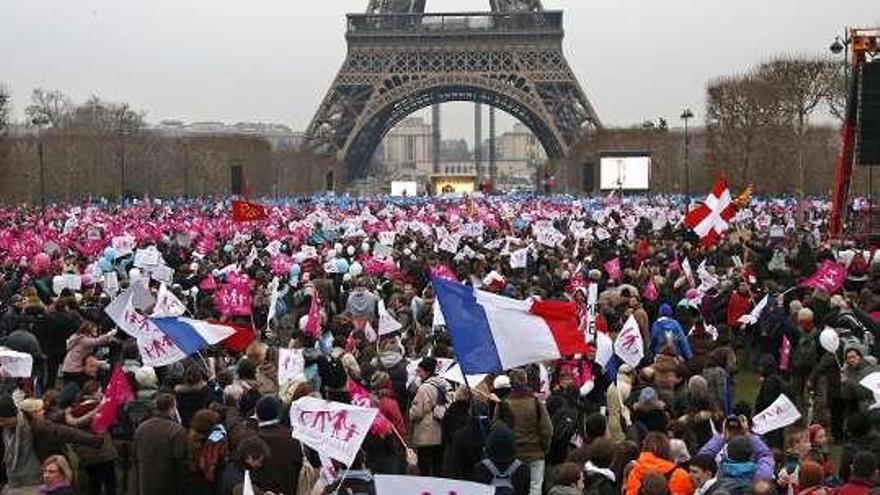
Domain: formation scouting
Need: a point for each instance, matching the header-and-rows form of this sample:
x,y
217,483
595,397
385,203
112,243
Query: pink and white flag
x,y
829,278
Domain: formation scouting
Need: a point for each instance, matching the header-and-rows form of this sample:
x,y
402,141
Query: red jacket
x,y
736,308
855,486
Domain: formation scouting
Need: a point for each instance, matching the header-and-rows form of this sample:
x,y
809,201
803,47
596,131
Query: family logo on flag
x,y
291,365
829,278
781,413
167,304
245,211
629,345
711,217
156,349
332,428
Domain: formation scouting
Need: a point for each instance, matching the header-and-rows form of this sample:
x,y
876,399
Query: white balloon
x,y
356,269
338,247
829,340
350,250
365,247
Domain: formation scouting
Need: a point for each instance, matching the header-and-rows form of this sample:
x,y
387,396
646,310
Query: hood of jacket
x,y
739,470
649,462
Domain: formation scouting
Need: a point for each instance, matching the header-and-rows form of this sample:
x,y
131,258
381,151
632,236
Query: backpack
x,y
806,354
503,482
442,402
132,415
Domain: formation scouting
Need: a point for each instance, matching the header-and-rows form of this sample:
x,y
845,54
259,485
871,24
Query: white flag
x,y
387,238
123,245
629,345
387,323
14,364
781,413
423,485
450,244
755,313
156,348
291,365
332,428
251,257
519,258
167,304
872,383
688,272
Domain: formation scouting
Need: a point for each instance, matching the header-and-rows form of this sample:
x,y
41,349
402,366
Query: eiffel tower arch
x,y
401,59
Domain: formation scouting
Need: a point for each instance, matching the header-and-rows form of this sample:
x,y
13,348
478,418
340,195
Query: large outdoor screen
x,y
632,172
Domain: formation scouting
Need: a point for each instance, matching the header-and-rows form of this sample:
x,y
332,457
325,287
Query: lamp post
x,y
40,122
685,116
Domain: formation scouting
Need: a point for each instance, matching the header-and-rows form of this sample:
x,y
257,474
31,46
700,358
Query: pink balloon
x,y
40,263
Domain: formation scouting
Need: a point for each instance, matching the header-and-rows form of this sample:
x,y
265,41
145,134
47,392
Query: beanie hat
x,y
7,407
665,310
501,382
145,377
501,445
739,449
268,409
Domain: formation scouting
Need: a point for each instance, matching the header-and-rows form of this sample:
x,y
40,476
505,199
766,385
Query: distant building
x,y
279,136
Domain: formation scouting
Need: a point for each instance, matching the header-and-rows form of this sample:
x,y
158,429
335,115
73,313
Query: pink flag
x,y
361,398
612,267
313,325
118,393
829,277
234,298
650,291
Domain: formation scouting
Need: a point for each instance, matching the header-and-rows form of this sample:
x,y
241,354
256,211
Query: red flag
x,y
313,325
709,219
245,211
361,398
830,277
118,393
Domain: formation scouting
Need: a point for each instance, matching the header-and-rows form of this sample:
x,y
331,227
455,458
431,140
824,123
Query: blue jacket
x,y
761,455
666,328
736,478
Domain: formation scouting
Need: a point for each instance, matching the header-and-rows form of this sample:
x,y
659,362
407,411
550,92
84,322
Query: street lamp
x,y
41,122
685,116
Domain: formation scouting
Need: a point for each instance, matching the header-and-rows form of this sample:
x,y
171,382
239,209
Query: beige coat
x,y
426,428
616,411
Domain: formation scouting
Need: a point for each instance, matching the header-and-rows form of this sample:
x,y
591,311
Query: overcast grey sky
x,y
273,60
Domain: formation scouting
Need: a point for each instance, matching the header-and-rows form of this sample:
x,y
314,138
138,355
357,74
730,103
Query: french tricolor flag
x,y
192,335
492,333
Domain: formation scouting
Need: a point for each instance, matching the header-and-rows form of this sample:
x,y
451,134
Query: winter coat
x,y
761,454
855,486
598,481
736,478
80,415
850,387
34,440
191,398
667,330
280,471
78,347
737,306
463,452
426,427
679,481
869,443
617,413
532,427
159,457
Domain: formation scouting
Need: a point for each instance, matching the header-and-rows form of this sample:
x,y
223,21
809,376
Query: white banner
x,y
156,348
781,413
629,345
387,323
162,273
291,365
331,428
14,364
449,244
146,258
423,485
387,238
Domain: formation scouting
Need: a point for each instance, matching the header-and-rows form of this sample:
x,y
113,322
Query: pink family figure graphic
x,y
338,423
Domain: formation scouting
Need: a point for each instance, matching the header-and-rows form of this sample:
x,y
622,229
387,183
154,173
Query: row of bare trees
x,y
759,123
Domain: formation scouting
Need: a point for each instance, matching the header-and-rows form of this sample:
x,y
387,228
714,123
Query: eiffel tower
x,y
401,59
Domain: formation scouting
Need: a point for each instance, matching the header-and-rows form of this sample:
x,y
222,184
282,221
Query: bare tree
x,y
103,116
5,109
52,107
799,85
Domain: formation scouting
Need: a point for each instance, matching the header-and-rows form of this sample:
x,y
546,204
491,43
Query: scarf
x,y
607,473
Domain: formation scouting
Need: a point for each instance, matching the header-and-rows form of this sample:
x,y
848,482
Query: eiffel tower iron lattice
x,y
401,59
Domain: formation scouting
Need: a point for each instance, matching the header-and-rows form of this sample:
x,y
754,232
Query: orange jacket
x,y
679,481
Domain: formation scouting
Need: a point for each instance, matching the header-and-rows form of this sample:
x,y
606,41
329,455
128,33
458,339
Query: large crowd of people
x,y
727,329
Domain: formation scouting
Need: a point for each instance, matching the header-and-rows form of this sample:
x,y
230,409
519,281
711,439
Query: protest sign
x,y
332,428
14,364
291,365
781,413
146,258
423,485
123,245
162,273
387,238
519,258
167,304
450,244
